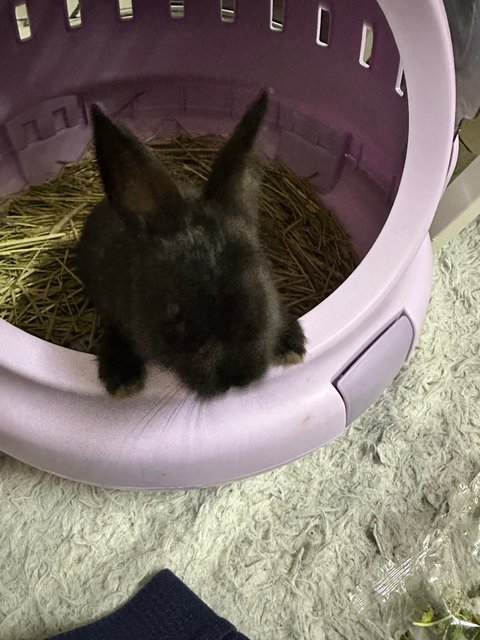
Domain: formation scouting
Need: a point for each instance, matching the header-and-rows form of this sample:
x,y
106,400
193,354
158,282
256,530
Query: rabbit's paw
x,y
119,368
126,390
291,344
288,358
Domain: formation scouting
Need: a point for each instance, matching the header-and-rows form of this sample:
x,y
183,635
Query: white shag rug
x,y
277,554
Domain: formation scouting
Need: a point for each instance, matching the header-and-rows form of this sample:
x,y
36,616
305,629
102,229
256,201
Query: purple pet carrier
x,y
363,99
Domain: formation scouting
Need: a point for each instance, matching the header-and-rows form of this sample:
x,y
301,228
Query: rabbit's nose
x,y
241,379
210,388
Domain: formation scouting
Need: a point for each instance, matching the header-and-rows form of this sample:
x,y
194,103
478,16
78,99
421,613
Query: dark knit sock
x,y
164,609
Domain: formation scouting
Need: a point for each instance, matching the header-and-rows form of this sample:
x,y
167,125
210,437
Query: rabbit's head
x,y
183,273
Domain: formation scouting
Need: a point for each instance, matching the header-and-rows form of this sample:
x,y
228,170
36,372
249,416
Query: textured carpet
x,y
277,554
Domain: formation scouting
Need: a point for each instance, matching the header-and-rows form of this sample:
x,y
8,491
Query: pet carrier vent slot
x,y
277,12
323,27
366,48
31,132
23,21
177,8
125,9
60,119
227,10
74,13
400,85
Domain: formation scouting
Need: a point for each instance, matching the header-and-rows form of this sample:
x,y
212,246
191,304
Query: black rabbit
x,y
178,275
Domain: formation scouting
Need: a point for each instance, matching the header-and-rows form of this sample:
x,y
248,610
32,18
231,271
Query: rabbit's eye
x,y
172,311
174,324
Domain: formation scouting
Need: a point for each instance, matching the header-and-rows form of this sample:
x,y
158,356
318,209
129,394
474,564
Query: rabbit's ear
x,y
229,167
134,181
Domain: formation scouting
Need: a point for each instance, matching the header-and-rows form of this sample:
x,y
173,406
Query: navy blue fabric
x,y
164,609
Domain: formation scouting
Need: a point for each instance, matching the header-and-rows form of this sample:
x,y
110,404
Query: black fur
x,y
179,277
120,369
